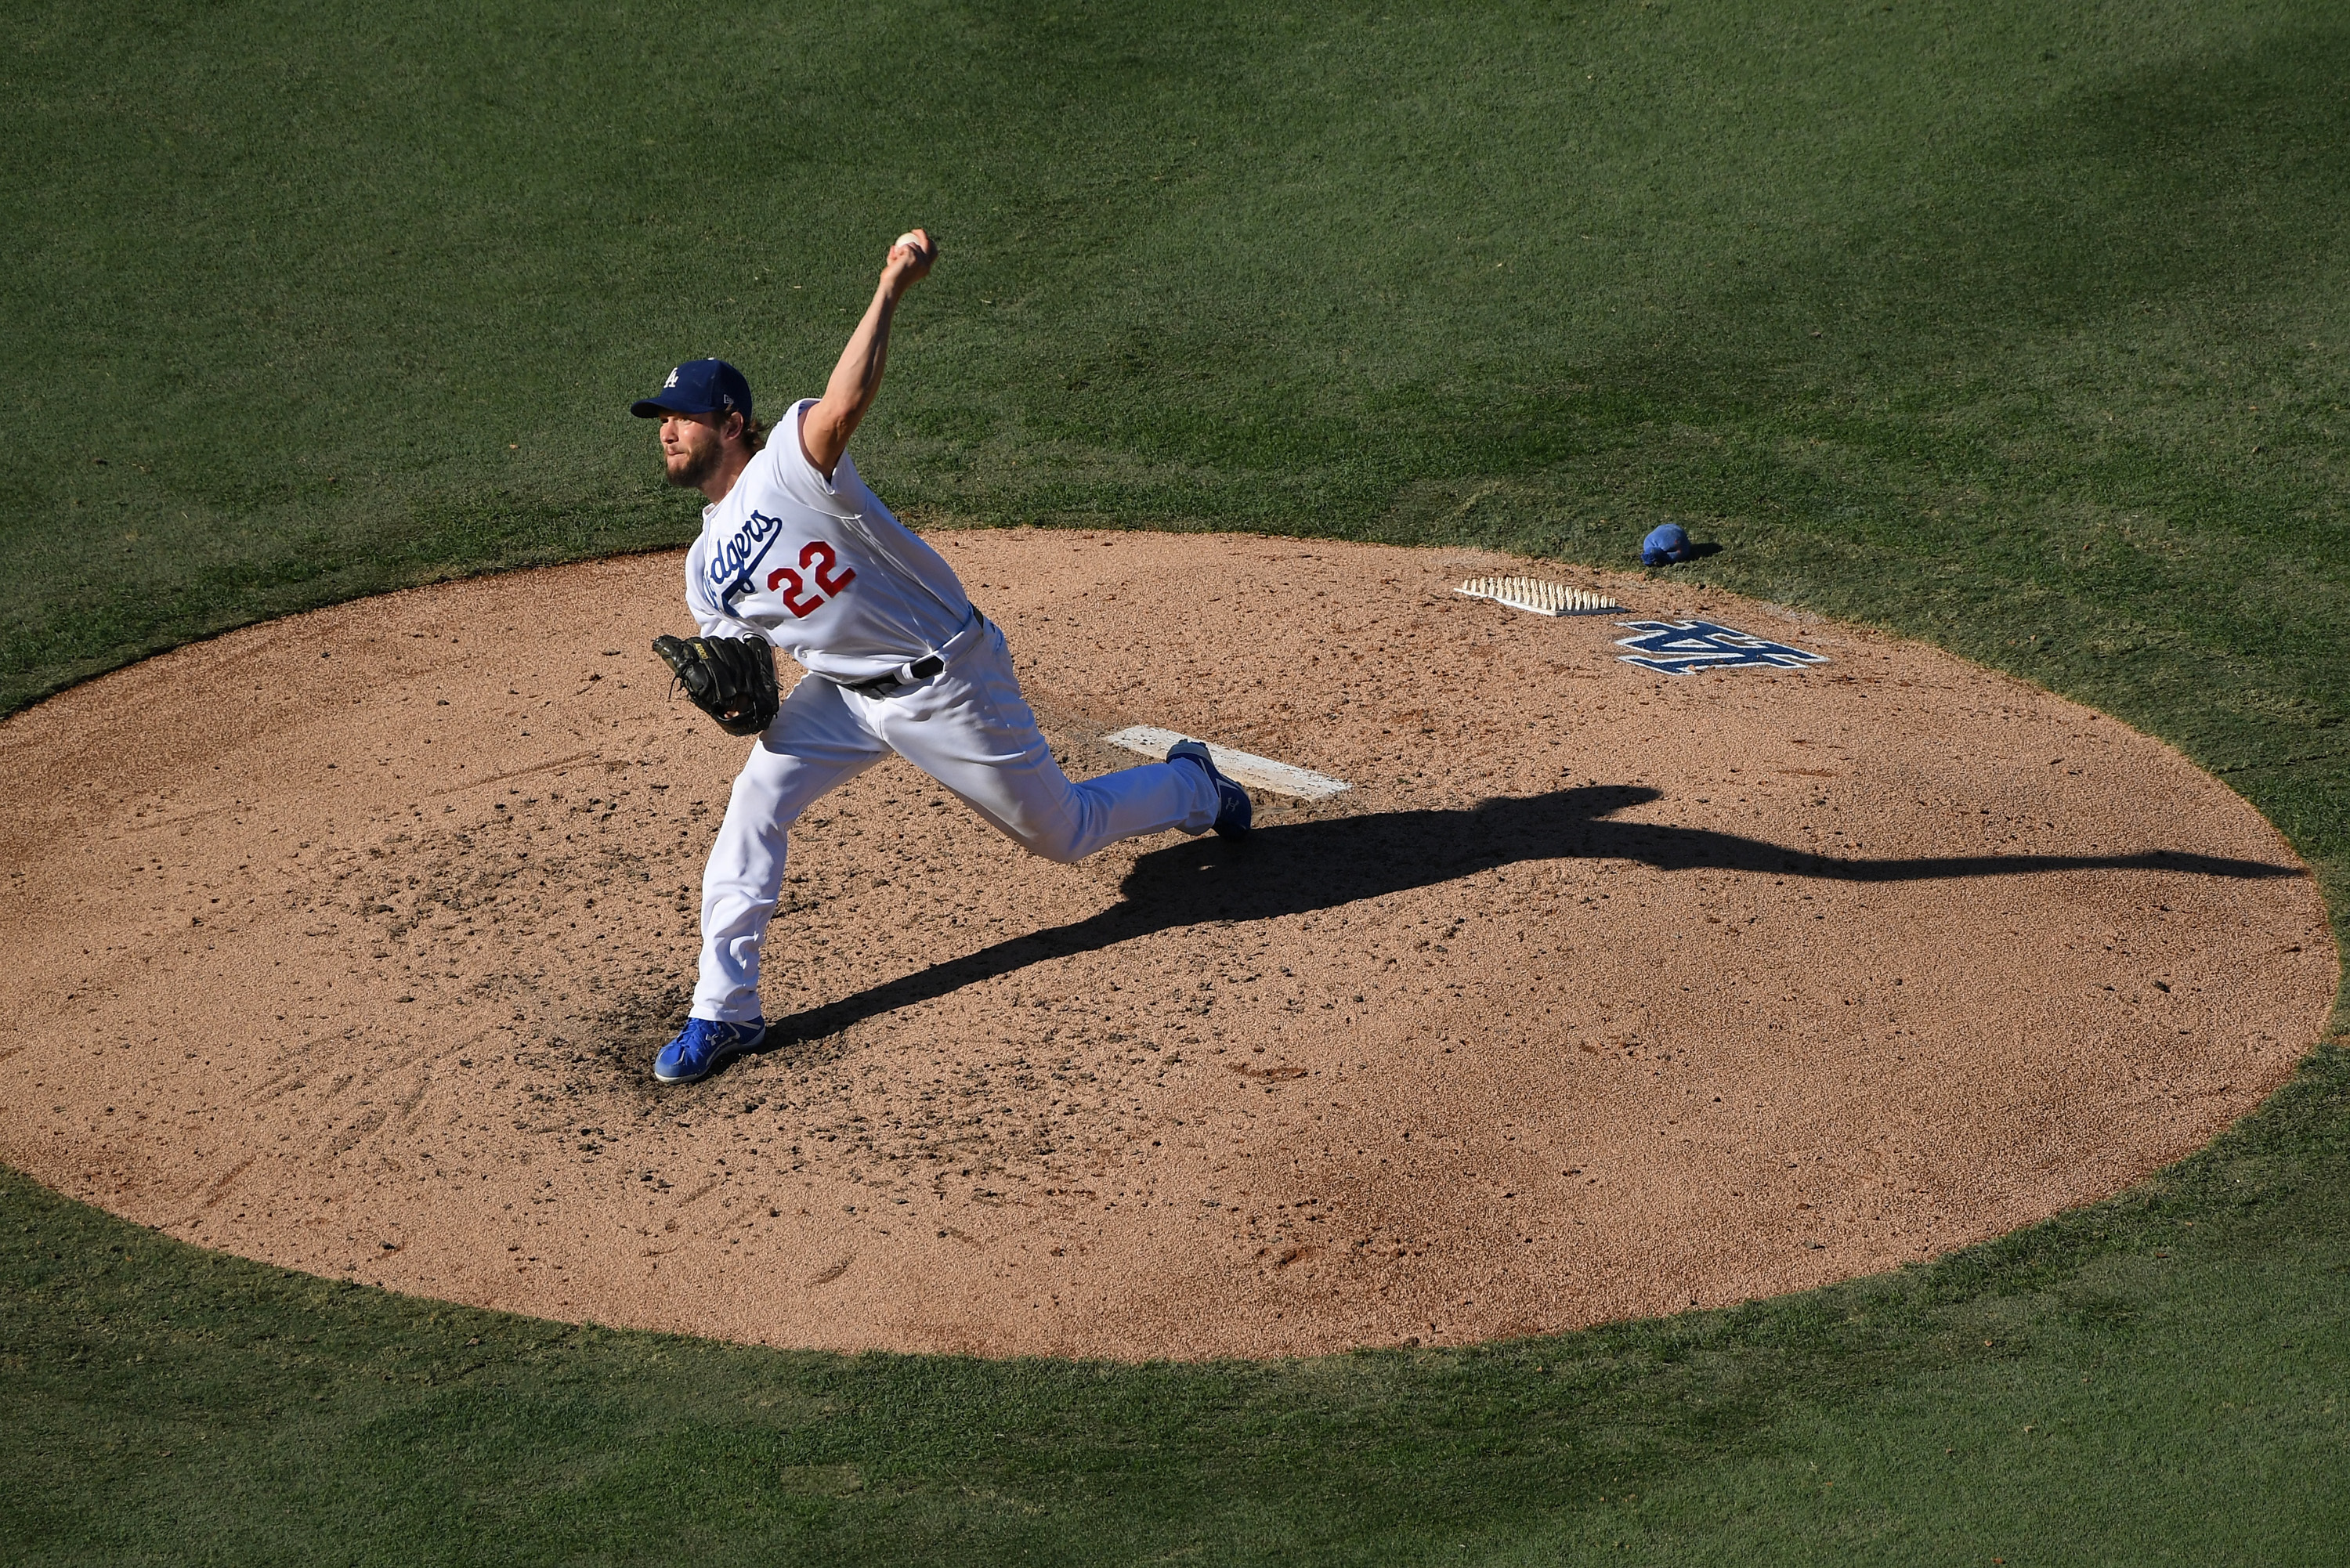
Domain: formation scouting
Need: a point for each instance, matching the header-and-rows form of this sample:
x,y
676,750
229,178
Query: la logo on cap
x,y
672,379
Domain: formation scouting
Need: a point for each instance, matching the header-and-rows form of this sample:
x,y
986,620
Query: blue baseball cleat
x,y
1233,812
703,1048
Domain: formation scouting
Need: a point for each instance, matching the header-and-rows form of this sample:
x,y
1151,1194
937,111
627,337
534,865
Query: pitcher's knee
x,y
1061,842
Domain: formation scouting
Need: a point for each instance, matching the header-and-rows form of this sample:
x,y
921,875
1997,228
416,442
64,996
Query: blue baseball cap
x,y
698,387
1666,544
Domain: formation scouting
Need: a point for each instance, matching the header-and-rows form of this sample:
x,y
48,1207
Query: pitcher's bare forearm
x,y
856,378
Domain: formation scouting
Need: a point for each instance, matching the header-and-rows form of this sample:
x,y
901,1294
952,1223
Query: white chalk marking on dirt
x,y
1241,767
1538,595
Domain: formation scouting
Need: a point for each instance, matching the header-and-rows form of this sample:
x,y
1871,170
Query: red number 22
x,y
819,555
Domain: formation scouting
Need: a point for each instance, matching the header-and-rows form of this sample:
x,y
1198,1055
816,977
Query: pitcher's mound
x,y
345,942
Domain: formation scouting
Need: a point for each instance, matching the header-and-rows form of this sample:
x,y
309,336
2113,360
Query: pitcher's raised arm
x,y
825,429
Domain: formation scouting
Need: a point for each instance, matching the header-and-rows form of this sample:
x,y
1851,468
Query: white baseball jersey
x,y
824,571
819,567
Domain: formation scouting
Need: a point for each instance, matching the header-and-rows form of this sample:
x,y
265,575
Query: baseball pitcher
x,y
795,553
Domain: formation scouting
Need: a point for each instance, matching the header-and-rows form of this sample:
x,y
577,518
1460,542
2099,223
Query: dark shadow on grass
x,y
2186,185
1302,867
2217,172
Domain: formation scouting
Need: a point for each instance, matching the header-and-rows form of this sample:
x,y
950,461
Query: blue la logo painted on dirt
x,y
1678,646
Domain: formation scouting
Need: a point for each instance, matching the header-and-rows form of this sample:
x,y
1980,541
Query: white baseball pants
x,y
969,728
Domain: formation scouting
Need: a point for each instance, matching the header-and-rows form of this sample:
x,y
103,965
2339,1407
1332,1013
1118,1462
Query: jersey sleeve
x,y
794,471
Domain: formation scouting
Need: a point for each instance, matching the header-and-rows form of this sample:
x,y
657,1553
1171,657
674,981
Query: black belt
x,y
922,668
889,685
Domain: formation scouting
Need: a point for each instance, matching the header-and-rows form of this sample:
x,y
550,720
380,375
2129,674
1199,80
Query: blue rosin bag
x,y
1666,544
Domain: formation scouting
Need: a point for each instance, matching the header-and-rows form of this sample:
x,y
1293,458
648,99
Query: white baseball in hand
x,y
912,239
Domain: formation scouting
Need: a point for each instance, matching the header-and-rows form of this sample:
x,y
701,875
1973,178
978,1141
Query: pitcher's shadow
x,y
1302,868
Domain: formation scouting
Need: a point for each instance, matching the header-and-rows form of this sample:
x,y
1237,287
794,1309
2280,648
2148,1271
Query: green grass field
x,y
2016,327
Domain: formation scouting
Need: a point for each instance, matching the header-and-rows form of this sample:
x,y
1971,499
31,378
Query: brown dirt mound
x,y
345,942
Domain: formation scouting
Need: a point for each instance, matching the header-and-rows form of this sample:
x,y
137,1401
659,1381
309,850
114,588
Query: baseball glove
x,y
732,679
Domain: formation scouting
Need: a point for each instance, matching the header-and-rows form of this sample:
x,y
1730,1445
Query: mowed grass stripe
x,y
2016,330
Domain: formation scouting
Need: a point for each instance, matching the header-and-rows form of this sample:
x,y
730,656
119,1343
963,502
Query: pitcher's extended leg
x,y
971,730
814,744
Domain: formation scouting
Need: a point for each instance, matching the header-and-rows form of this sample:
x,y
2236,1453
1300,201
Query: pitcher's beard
x,y
698,467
